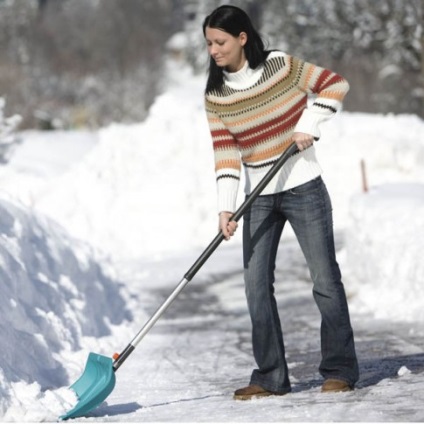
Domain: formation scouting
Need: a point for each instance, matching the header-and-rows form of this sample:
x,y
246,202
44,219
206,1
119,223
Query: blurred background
x,y
86,63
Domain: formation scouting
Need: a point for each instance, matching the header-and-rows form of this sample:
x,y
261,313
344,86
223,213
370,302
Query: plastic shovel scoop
x,y
94,385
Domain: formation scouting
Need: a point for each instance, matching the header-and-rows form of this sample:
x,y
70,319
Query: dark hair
x,y
233,20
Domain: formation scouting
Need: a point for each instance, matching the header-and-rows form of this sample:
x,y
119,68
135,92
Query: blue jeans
x,y
308,210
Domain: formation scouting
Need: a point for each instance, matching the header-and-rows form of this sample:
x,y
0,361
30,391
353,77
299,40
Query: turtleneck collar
x,y
243,78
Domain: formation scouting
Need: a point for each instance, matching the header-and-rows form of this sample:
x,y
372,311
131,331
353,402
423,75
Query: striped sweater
x,y
253,116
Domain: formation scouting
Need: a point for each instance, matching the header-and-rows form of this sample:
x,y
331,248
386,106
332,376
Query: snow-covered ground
x,y
93,223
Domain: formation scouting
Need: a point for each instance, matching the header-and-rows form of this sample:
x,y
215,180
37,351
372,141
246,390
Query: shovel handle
x,y
292,149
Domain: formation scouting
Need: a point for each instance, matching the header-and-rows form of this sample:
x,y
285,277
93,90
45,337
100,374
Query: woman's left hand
x,y
303,140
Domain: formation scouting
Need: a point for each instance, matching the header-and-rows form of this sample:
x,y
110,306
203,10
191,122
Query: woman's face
x,y
225,49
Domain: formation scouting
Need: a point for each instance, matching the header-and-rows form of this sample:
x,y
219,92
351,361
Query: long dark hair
x,y
233,20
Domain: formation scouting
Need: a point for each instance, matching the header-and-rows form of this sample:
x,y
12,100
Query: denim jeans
x,y
308,210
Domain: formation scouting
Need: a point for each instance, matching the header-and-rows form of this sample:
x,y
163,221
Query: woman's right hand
x,y
227,227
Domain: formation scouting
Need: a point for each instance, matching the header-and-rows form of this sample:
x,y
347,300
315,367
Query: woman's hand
x,y
227,227
303,140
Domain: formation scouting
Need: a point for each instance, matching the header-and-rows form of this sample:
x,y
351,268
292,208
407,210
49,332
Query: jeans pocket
x,y
307,188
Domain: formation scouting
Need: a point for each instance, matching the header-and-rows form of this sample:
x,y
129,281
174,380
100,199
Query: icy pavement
x,y
198,353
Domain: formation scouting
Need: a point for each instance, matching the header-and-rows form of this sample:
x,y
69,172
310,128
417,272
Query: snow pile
x,y
30,403
54,293
384,249
390,154
141,190
381,263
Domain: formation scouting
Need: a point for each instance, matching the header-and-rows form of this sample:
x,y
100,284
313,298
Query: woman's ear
x,y
243,38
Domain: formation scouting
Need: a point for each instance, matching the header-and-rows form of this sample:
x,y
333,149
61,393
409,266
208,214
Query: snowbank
x,y
141,190
54,293
384,246
391,146
381,263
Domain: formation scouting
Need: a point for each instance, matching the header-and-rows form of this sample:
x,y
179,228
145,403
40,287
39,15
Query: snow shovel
x,y
98,378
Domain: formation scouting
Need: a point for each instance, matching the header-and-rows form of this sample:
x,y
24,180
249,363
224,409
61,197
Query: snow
x,y
98,227
386,250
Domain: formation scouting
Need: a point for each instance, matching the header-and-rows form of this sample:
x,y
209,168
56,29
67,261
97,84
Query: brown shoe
x,y
334,385
254,391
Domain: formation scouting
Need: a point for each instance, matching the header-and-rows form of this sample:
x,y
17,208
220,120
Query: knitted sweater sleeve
x,y
329,88
227,161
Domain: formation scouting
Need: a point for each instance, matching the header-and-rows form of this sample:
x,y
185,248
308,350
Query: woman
x,y
256,104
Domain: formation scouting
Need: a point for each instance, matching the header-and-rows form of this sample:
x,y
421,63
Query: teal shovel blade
x,y
94,385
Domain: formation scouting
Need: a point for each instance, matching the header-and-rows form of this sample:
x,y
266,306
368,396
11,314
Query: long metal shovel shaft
x,y
149,324
204,256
